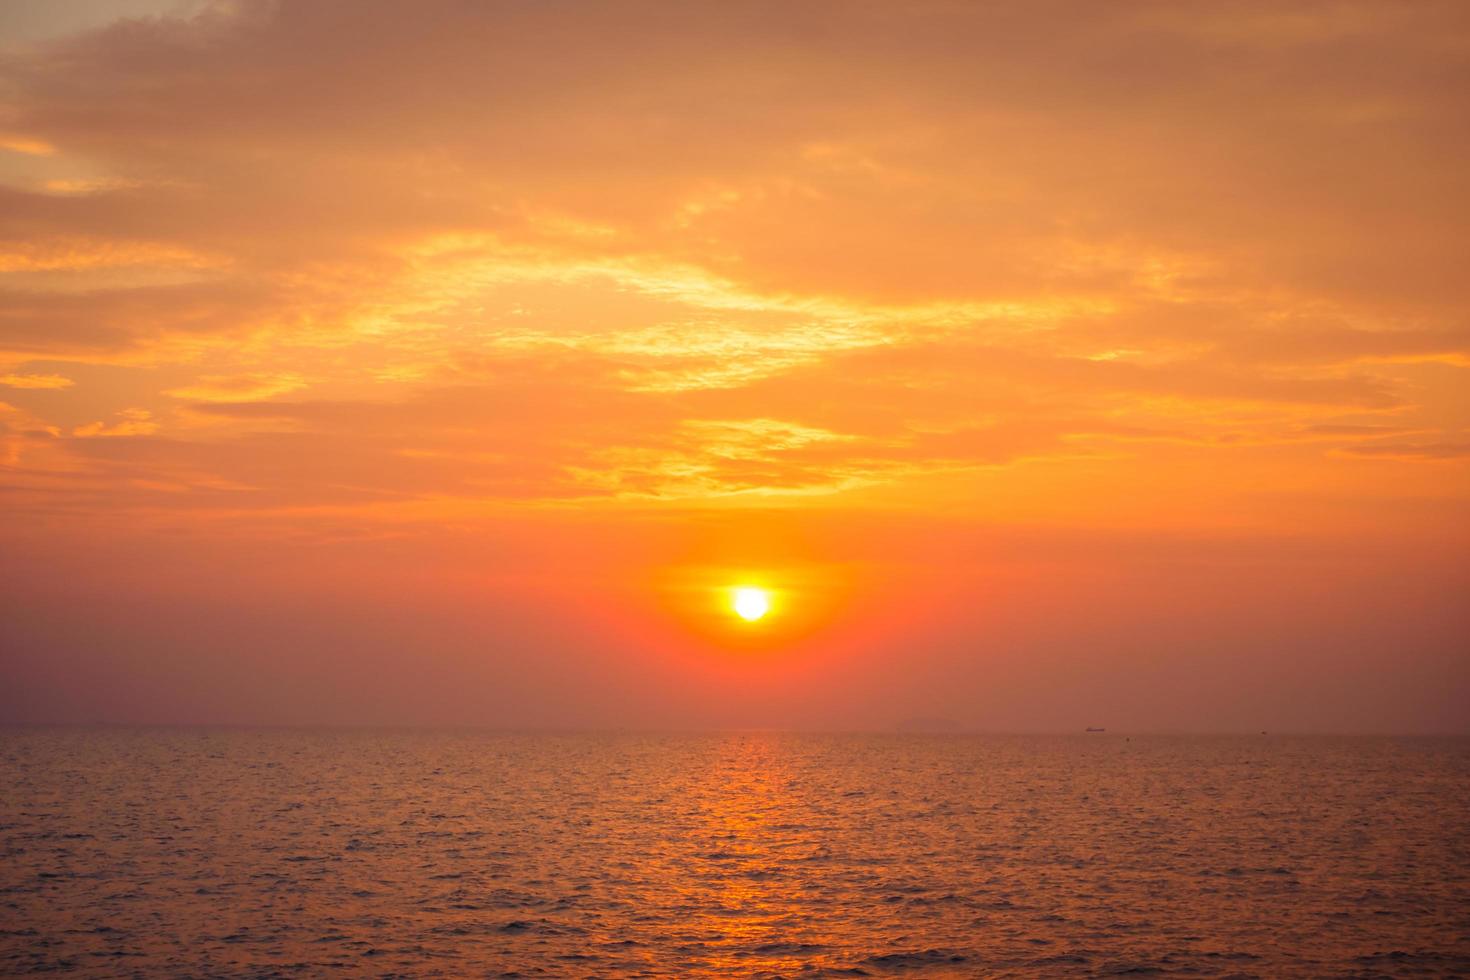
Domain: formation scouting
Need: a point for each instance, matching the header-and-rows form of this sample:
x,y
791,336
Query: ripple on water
x,y
749,855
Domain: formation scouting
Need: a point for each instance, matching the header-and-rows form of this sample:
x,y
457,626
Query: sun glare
x,y
750,603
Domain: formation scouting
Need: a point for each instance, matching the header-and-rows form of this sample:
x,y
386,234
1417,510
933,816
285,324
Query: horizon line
x,y
565,730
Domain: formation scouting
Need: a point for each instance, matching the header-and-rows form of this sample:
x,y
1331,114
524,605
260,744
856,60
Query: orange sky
x,y
1054,364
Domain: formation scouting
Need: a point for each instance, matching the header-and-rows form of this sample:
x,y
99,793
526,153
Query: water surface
x,y
254,853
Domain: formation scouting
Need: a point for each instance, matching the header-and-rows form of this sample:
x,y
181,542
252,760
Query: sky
x,y
1049,365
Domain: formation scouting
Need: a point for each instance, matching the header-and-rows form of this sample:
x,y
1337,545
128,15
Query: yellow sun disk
x,y
750,603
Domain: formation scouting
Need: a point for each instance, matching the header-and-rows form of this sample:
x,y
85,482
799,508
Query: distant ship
x,y
1096,729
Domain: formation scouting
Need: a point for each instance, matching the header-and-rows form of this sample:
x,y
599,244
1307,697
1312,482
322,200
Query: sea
x,y
129,852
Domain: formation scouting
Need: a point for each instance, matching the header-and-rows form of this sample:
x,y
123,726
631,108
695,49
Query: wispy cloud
x,y
948,240
44,381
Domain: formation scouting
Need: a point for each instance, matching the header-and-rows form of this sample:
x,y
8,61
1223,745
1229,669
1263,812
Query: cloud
x,y
237,388
43,381
26,145
950,238
1409,450
131,422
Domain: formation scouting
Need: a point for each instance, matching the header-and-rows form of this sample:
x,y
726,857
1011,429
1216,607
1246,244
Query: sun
x,y
750,603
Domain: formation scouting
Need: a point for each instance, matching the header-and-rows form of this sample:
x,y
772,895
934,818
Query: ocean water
x,y
284,853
